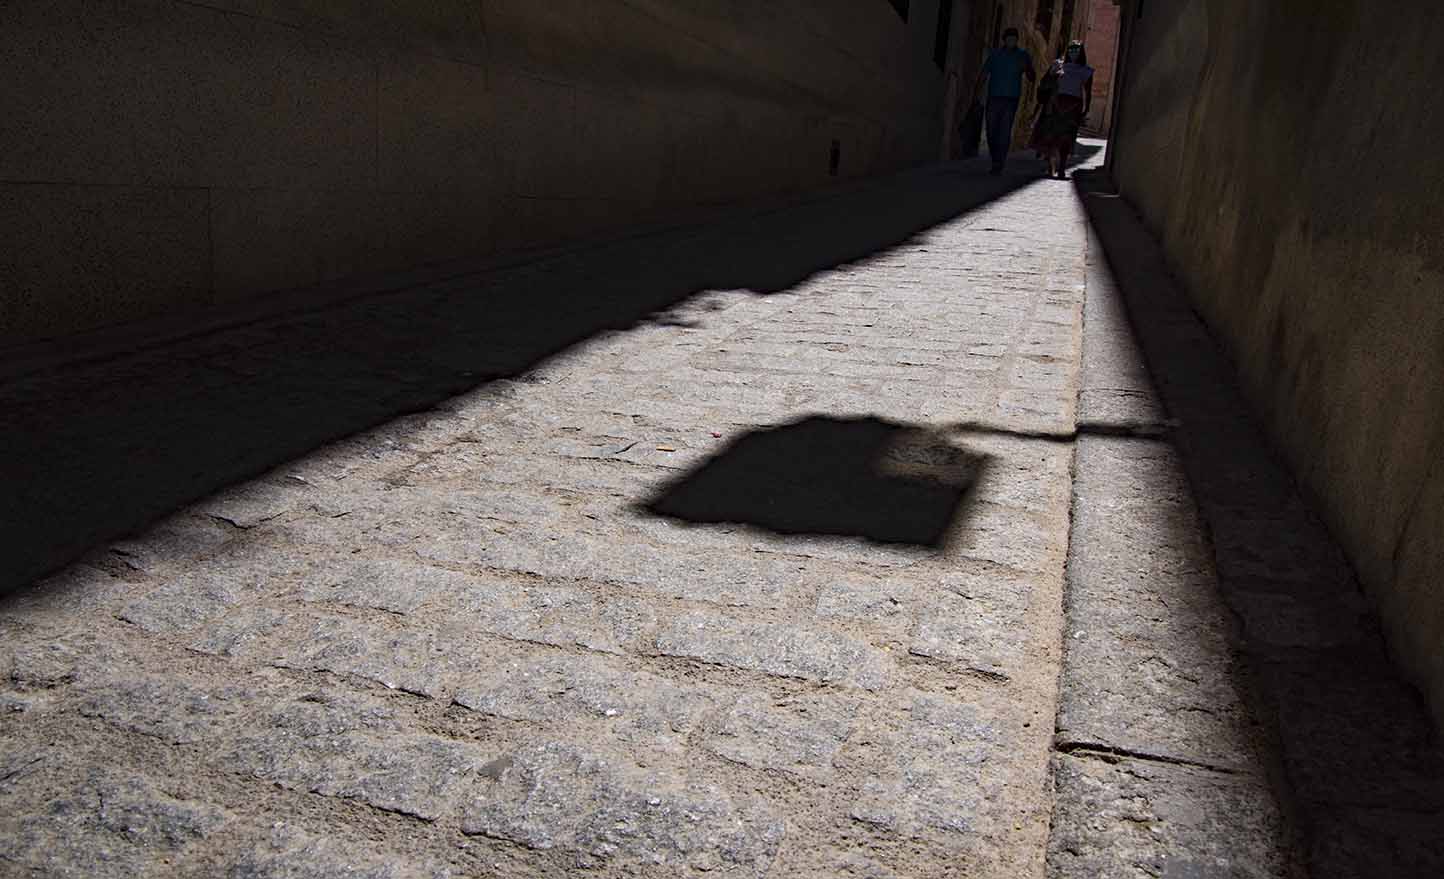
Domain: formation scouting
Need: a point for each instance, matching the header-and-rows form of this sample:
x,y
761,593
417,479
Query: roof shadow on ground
x,y
855,477
100,448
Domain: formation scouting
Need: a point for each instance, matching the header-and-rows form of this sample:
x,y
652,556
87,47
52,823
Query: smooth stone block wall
x,y
167,157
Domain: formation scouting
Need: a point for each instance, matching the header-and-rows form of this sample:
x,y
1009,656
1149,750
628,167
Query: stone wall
x,y
1295,184
162,157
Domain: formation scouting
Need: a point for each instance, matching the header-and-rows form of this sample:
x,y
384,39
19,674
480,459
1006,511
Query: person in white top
x,y
1065,96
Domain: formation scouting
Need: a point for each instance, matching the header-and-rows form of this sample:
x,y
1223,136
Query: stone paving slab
x,y
1123,817
1161,767
460,643
1117,393
1150,667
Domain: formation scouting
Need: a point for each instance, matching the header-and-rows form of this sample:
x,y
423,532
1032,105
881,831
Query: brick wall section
x,y
1101,37
161,156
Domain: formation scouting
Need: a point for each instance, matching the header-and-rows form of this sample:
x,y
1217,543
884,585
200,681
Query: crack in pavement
x,y
1111,754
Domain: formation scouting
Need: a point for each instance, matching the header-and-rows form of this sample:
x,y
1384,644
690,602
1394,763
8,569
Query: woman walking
x,y
1069,96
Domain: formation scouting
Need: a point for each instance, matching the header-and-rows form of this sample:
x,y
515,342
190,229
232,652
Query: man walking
x,y
1004,72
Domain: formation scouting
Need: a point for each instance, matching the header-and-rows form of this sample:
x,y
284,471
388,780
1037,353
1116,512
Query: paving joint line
x,y
1125,430
1112,754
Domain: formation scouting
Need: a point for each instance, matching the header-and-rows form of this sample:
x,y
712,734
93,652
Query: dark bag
x,y
970,133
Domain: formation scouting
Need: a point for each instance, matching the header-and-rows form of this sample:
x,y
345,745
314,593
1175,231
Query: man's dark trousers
x,y
999,122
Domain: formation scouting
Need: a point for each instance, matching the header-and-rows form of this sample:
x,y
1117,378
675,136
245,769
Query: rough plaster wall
x,y
1287,154
161,156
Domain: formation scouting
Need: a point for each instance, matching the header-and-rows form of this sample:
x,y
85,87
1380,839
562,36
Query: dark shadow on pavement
x,y
92,450
857,477
1360,765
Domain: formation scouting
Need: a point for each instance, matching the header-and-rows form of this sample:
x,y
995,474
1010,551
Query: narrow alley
x,y
891,439
752,572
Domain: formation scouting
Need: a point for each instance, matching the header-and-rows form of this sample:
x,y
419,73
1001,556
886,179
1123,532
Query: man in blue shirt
x,y
1004,72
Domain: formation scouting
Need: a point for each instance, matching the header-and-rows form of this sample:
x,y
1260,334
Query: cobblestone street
x,y
754,583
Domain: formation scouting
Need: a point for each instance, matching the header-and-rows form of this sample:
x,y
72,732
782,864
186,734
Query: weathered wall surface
x,y
1296,183
158,155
